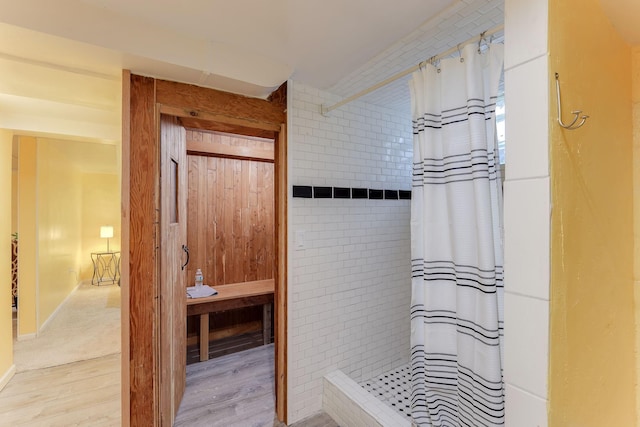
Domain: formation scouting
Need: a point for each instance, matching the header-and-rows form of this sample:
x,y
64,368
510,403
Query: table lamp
x,y
106,232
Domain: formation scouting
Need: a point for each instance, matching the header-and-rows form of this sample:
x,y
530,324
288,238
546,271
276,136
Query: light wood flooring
x,y
70,374
85,393
232,390
236,390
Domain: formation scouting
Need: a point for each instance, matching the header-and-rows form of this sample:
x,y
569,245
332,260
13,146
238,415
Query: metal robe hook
x,y
572,125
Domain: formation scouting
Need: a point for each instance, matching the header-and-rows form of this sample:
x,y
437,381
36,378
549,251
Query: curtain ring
x,y
435,62
480,41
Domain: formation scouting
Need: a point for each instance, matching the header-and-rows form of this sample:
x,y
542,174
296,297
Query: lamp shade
x,y
106,232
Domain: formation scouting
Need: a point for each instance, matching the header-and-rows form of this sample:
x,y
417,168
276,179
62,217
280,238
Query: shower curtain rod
x,y
325,110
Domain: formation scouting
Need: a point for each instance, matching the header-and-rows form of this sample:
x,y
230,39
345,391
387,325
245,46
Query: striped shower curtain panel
x,y
456,239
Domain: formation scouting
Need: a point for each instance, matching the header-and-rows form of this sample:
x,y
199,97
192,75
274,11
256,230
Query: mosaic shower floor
x,y
393,388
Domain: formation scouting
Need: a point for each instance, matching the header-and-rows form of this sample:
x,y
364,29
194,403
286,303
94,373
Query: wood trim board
x,y
220,118
229,151
281,327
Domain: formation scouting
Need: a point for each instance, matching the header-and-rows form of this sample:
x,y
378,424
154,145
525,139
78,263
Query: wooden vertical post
x,y
281,274
204,337
142,265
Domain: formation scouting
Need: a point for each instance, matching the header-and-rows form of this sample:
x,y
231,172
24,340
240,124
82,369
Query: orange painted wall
x,y
592,326
636,210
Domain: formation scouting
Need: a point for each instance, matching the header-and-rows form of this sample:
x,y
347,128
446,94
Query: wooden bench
x,y
229,297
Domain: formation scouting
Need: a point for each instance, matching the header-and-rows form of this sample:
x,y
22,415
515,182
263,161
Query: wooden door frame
x,y
144,98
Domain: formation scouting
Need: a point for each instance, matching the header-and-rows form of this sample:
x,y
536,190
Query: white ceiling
x,y
244,46
60,62
317,42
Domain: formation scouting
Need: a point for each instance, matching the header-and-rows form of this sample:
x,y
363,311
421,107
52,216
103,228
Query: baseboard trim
x,y
4,380
58,308
26,337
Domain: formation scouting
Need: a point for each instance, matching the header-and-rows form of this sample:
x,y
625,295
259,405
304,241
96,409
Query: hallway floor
x,y
69,374
86,326
85,393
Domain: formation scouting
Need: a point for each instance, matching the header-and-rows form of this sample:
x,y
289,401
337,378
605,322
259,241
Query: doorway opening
x,y
64,327
230,233
146,101
64,189
231,240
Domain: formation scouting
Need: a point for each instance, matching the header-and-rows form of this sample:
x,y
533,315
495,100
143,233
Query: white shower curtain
x,y
456,224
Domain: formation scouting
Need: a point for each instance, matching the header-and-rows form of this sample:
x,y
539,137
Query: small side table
x,y
106,267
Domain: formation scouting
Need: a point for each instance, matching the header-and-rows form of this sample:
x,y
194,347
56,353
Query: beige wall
x,y
14,201
59,205
60,211
100,206
6,341
27,235
592,326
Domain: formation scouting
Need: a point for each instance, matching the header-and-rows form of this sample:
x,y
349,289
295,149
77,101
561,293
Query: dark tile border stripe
x,y
359,193
322,192
391,194
375,194
341,193
404,194
302,191
308,192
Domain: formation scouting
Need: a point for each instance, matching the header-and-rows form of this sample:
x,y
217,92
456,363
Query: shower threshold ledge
x,y
351,405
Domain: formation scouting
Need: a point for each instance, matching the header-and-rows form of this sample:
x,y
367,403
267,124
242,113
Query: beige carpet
x,y
86,326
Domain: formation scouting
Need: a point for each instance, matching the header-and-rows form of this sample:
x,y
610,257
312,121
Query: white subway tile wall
x,y
525,409
528,127
349,272
527,248
527,209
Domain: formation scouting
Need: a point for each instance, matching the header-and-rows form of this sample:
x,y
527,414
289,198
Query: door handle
x,y
186,249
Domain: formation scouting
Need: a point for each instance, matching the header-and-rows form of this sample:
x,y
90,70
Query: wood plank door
x,y
173,235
